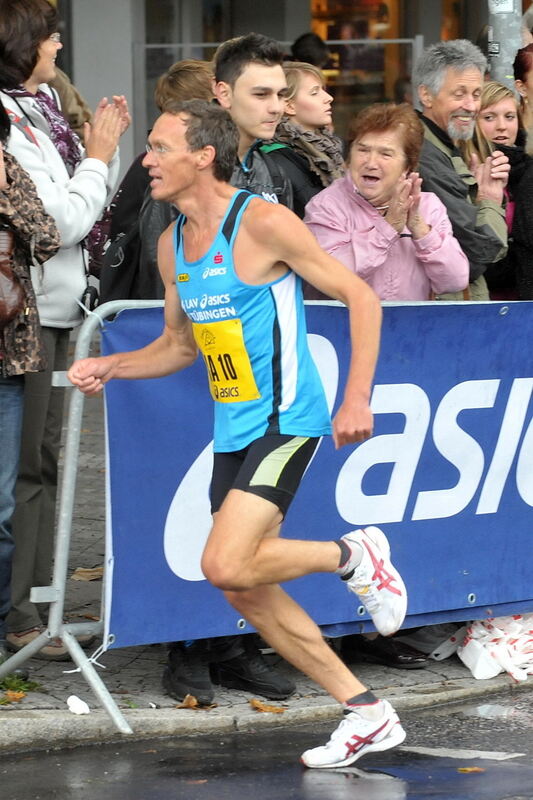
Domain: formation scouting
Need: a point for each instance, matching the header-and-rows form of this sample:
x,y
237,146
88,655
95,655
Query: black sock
x,y
346,554
367,698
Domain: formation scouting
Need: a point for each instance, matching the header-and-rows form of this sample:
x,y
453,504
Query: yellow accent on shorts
x,y
269,470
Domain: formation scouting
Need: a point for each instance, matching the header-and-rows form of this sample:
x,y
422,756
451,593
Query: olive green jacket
x,y
479,227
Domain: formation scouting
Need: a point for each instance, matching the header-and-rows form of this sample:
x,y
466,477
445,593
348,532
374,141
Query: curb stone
x,y
43,729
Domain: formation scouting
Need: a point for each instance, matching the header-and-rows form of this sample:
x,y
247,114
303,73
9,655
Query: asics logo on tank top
x,y
212,272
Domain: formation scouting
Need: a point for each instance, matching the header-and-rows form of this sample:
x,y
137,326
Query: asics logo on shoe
x,y
380,574
355,743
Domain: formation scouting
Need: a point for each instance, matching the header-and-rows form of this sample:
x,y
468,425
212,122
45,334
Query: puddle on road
x,y
500,711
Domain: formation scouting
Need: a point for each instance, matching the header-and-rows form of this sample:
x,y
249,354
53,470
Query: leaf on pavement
x,y
87,574
14,697
470,769
190,701
258,705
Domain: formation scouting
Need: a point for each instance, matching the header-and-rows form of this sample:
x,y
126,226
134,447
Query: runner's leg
x,y
293,634
245,526
239,555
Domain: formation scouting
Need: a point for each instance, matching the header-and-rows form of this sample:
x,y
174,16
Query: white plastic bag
x,y
450,645
503,644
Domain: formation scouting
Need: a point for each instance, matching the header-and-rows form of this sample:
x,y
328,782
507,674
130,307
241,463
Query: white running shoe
x,y
356,736
376,582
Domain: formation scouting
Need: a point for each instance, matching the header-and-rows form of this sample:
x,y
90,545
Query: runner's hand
x,y
352,424
90,374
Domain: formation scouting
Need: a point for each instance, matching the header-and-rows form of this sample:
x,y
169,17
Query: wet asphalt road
x,y
440,744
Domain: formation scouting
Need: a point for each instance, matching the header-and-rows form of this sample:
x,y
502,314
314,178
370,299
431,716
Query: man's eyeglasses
x,y
55,37
160,149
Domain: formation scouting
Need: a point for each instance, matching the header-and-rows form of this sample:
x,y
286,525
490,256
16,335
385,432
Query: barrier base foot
x,y
82,662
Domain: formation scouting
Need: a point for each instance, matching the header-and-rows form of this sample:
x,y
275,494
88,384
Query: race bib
x,y
231,379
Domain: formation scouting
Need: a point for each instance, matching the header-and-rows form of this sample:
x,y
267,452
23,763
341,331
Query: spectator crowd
x,y
422,205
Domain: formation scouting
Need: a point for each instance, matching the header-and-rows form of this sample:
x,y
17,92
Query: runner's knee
x,y
222,573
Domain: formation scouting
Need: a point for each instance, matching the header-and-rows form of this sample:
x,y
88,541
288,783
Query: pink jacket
x,y
396,266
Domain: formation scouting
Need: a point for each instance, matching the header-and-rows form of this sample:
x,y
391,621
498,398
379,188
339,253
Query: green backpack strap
x,y
271,146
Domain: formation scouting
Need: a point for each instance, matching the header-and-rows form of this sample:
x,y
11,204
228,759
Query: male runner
x,y
270,409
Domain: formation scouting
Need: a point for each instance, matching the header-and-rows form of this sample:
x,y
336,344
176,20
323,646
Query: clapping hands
x,y
109,123
491,176
121,104
404,207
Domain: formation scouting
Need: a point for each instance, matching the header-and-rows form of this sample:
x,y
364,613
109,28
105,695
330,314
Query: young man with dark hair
x,y
270,408
250,84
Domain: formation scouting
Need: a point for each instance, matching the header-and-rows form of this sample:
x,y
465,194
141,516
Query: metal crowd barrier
x,y
55,593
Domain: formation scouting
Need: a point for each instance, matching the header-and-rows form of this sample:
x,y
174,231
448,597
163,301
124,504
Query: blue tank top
x,y
254,343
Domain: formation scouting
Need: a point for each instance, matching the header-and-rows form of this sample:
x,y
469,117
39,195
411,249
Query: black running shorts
x,y
271,467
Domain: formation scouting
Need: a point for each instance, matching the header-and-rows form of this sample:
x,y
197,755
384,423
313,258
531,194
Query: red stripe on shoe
x,y
381,574
357,742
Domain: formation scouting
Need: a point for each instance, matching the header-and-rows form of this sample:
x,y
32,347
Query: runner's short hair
x,y
210,125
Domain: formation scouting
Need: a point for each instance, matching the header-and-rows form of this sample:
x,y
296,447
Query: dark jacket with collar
x,y
479,227
261,175
129,269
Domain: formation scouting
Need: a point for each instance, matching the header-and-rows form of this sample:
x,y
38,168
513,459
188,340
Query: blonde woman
x,y
306,150
499,126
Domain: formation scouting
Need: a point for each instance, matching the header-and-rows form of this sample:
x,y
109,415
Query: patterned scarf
x,y
66,142
321,149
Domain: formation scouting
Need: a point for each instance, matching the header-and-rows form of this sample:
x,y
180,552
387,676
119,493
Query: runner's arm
x,y
290,241
174,350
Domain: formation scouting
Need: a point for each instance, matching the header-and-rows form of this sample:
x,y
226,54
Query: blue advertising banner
x,y
448,475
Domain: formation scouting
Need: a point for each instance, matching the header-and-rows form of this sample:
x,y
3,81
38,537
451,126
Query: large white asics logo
x,y
513,453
